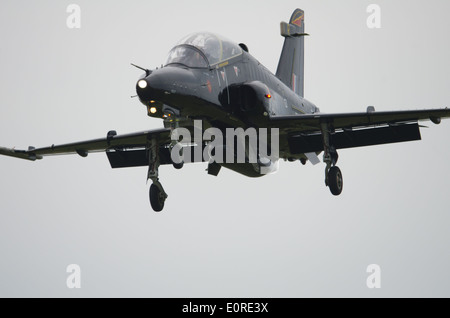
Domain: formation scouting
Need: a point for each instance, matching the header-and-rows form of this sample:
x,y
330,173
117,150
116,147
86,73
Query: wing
x,y
356,120
123,150
303,133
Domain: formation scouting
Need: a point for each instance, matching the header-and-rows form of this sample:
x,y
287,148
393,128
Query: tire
x,y
156,198
335,181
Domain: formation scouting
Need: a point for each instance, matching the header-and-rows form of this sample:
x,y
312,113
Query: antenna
x,y
147,71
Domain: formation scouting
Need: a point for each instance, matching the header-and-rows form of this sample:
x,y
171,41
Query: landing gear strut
x,y
157,194
333,175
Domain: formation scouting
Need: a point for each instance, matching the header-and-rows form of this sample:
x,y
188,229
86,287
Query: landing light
x,y
153,110
142,84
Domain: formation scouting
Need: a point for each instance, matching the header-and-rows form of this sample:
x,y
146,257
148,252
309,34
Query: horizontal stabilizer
x,y
291,30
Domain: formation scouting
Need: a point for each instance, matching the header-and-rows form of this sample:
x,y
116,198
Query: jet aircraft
x,y
209,78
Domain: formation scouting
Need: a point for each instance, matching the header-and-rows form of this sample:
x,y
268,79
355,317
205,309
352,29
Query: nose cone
x,y
165,83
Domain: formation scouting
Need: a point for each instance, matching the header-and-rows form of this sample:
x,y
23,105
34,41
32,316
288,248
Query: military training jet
x,y
211,80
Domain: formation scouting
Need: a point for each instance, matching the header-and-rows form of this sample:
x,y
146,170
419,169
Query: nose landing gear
x,y
157,194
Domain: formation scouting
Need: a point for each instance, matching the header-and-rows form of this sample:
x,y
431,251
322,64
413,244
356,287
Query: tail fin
x,y
291,66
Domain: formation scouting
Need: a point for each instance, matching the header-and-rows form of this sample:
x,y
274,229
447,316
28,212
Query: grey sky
x,y
283,235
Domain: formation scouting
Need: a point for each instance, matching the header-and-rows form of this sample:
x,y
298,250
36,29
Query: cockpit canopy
x,y
202,50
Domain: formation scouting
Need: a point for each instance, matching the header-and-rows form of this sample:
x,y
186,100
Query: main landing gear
x,y
157,194
333,175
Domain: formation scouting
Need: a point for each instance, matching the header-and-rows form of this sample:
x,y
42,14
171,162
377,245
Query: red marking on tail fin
x,y
297,20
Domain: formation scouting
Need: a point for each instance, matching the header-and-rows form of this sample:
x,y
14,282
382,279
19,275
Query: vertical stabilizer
x,y
291,66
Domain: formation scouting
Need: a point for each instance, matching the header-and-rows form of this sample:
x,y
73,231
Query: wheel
x,y
335,181
157,198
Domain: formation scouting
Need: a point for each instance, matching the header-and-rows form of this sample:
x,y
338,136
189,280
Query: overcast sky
x,y
283,235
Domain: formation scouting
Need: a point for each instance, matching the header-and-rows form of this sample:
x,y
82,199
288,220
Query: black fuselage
x,y
239,92
223,86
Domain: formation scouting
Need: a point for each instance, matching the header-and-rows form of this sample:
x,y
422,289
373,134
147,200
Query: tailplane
x,y
291,66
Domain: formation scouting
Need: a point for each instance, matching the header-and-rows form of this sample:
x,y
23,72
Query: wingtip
x,y
21,154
